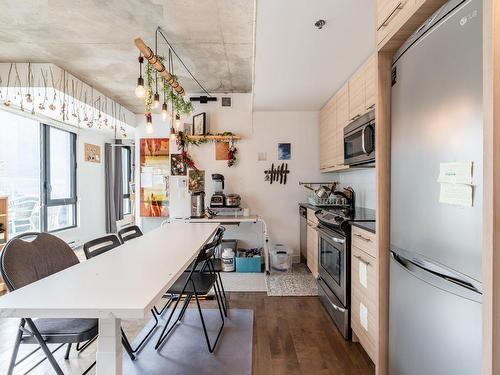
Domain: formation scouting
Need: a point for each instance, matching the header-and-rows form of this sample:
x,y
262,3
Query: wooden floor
x,y
292,335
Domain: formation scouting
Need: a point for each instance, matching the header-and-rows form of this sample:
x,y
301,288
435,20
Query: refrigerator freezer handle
x,y
451,283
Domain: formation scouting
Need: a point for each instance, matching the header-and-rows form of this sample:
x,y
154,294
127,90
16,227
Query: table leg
x,y
109,347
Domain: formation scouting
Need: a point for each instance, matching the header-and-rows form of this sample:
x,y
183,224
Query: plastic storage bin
x,y
281,258
248,264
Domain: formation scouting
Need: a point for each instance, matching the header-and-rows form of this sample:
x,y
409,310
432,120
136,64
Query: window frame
x,y
46,188
129,178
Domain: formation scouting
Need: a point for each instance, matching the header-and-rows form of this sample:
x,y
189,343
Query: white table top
x,y
122,283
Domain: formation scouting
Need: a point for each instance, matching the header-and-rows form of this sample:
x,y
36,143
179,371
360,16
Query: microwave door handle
x,y
363,140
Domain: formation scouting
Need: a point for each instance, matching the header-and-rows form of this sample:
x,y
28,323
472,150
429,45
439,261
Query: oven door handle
x,y
338,240
341,309
329,236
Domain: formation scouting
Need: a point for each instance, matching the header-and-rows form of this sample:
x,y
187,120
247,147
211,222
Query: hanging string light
x,y
140,91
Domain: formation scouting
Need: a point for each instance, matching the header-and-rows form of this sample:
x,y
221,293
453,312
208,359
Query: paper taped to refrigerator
x,y
457,194
455,173
363,274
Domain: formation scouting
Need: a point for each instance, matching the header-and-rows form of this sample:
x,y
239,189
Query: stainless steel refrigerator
x,y
435,265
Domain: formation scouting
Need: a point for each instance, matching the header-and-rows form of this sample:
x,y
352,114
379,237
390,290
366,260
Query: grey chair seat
x,y
203,281
65,330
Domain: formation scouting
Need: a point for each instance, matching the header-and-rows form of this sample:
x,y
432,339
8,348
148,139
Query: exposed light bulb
x,y
140,91
164,112
156,101
149,123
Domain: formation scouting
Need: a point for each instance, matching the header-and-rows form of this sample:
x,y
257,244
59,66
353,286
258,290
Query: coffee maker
x,y
218,198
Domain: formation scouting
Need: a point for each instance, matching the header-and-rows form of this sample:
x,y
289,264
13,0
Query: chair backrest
x,y
100,245
129,233
24,261
208,250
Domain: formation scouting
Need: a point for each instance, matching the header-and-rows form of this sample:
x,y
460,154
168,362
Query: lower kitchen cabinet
x,y
364,286
312,248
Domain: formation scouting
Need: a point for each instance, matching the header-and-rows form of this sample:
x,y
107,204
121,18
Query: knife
x,y
286,172
282,169
272,173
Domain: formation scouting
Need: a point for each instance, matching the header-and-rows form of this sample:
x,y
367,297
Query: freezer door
x,y
436,118
434,324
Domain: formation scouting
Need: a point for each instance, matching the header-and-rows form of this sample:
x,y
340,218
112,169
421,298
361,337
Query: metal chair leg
x,y
68,349
126,345
45,349
16,347
185,306
211,348
226,304
148,335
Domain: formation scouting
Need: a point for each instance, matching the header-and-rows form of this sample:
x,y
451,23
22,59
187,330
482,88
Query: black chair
x,y
217,266
129,233
195,284
23,262
100,246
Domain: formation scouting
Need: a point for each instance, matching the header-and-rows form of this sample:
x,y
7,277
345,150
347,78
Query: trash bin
x,y
281,258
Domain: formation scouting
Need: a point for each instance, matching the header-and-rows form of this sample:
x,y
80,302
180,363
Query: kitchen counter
x,y
366,225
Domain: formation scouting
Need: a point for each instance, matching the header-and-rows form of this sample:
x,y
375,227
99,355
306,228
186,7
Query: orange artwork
x,y
222,151
155,171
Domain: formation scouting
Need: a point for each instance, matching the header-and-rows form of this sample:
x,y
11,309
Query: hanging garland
x,y
183,141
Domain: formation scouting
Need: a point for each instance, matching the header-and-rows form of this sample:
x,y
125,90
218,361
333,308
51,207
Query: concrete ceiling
x,y
93,40
298,67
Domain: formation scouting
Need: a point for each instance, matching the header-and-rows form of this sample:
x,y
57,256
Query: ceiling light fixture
x,y
140,91
149,123
320,23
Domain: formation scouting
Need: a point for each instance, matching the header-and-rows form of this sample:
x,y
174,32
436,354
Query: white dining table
x,y
123,283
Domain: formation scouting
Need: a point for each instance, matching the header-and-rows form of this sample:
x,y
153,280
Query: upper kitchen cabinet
x,y
370,85
390,15
328,135
357,94
343,105
362,90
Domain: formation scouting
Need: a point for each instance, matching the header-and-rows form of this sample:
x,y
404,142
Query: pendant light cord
x,y
160,31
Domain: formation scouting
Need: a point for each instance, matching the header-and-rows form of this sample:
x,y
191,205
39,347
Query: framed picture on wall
x,y
199,124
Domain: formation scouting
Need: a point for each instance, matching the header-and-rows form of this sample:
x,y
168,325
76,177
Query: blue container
x,y
248,264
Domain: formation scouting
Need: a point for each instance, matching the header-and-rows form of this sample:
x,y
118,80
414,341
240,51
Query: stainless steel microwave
x,y
359,140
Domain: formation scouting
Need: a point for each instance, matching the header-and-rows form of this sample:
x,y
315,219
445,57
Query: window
x,y
38,174
59,179
126,178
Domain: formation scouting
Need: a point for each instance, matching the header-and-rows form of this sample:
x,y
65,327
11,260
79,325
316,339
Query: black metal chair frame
x,y
116,241
129,233
33,331
205,255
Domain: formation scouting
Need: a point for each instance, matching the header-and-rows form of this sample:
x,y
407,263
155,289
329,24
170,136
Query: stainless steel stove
x,y
334,249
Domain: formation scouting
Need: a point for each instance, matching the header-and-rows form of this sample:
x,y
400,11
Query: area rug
x,y
185,351
298,282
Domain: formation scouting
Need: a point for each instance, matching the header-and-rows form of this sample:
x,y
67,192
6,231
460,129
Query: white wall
x,y
362,181
261,132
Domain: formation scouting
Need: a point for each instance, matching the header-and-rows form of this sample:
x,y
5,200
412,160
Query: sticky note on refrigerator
x,y
455,173
363,316
457,194
363,274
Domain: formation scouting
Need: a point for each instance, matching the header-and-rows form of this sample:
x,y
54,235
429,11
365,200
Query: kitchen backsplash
x,y
363,183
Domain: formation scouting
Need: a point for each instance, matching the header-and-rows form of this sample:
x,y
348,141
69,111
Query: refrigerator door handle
x,y
439,277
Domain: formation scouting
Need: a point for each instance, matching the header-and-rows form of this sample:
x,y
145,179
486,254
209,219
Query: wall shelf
x,y
221,138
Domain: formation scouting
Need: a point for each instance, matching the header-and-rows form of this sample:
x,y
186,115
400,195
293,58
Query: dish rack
x,y
316,201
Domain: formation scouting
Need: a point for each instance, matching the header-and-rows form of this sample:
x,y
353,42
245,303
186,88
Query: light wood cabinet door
x,y
327,134
343,105
391,14
364,240
364,305
370,83
312,248
356,95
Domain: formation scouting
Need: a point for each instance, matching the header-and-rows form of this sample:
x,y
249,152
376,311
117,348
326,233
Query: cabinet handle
x,y
362,237
354,118
372,106
362,260
385,22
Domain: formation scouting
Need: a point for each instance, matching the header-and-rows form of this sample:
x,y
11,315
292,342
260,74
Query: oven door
x,y
334,263
359,145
